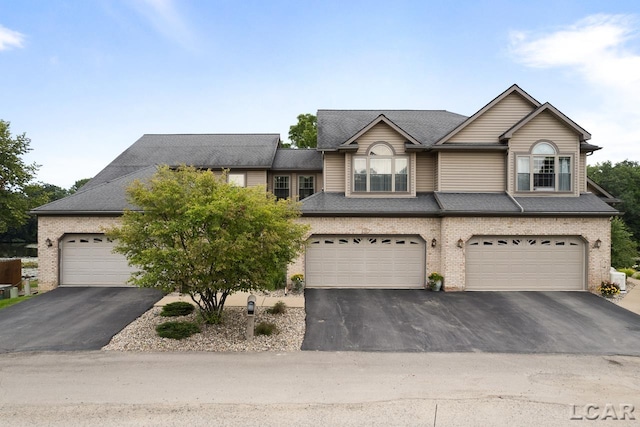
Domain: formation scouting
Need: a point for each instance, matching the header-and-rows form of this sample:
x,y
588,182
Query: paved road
x,y
73,318
501,322
312,389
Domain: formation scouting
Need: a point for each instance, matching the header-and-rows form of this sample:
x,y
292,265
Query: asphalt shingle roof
x,y
443,204
477,202
297,160
213,151
427,126
586,203
336,203
109,197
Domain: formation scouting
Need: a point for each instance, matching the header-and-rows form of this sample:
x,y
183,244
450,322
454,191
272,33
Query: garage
x,y
365,261
87,260
525,263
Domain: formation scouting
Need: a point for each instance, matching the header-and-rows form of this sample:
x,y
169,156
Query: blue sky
x,y
85,79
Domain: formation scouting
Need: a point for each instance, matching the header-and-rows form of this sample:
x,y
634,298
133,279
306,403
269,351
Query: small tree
x,y
624,250
199,235
304,134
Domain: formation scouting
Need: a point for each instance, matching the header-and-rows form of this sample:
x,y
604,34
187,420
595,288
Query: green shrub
x,y
278,308
178,308
266,328
636,275
30,264
628,271
177,330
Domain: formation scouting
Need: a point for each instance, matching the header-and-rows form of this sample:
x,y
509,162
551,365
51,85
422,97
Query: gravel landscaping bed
x,y
229,336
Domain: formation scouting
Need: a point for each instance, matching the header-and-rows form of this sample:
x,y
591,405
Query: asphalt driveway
x,y
501,322
78,318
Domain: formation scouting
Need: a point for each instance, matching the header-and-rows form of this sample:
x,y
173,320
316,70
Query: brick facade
x,y
54,228
449,259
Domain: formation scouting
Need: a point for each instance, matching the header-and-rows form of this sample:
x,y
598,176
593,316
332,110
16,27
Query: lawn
x,y
8,302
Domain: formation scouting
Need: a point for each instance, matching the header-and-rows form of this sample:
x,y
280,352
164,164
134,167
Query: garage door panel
x,y
525,263
87,259
365,261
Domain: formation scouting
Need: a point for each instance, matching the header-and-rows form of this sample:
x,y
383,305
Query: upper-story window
x,y
380,171
281,186
238,179
305,186
544,169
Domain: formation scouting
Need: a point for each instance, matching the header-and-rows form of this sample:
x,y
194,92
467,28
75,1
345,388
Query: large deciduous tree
x,y
304,134
623,181
198,234
15,175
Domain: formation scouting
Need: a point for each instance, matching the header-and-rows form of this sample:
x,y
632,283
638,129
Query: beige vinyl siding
x,y
334,174
545,127
381,132
425,172
495,121
582,173
472,172
258,177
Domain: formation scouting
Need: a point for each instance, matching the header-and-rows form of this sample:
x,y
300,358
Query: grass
x,y
4,303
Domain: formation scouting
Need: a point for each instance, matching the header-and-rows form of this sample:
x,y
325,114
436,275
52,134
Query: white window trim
x,y
288,184
239,179
313,189
530,156
368,157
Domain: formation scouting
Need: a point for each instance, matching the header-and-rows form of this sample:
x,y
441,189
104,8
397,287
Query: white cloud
x,y
167,20
602,50
10,38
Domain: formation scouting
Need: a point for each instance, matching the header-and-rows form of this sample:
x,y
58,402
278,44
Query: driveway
x,y
78,318
501,322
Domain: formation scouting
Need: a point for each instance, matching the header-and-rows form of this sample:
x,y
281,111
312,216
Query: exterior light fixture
x,y
434,242
597,244
48,242
460,243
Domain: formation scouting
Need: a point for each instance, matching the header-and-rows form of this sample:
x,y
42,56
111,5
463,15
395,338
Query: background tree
x,y
624,250
78,185
15,174
623,181
304,134
197,234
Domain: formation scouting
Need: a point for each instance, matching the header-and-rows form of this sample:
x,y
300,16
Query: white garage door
x,y
86,260
365,262
531,263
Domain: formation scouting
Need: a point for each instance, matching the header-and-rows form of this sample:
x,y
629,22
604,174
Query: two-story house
x,y
496,201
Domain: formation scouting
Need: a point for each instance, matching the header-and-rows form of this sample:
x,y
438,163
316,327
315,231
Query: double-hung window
x,y
305,186
281,186
381,171
543,170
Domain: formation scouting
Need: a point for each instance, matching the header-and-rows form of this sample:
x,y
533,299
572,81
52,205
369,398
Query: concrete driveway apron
x,y
501,322
72,318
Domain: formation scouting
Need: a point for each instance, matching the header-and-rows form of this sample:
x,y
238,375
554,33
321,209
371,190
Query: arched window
x,y
381,170
544,169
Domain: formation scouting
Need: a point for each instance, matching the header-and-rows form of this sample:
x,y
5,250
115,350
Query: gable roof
x,y
513,89
297,160
335,127
584,135
381,119
214,151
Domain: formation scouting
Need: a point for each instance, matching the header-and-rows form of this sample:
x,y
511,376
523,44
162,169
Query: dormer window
x,y
381,171
544,169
